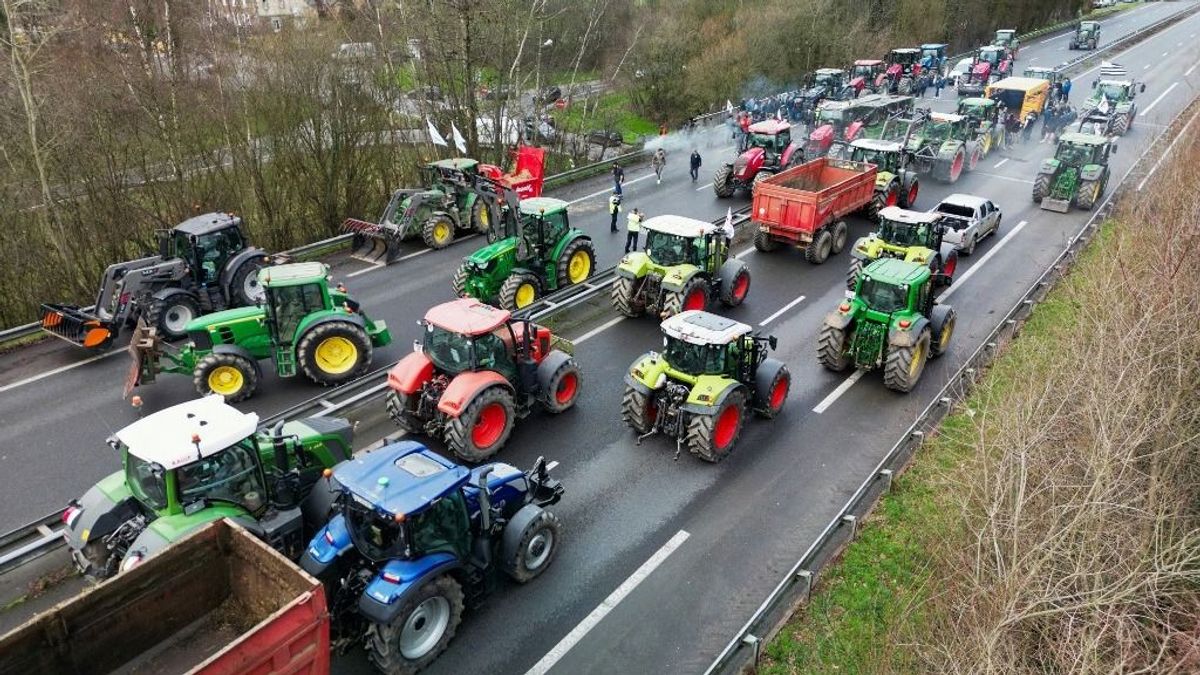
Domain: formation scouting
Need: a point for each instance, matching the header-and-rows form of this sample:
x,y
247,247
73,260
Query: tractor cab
x,y
903,229
676,240
206,244
772,136
1113,91
1051,75
1086,32
887,155
1006,37
1079,150
994,55
946,126
933,56
543,222
905,58
832,80
867,73
889,287
293,292
698,343
980,109
469,336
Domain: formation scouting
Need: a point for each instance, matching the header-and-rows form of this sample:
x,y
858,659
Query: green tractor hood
x,y
494,250
227,316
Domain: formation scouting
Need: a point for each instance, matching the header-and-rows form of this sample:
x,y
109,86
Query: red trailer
x,y
529,171
804,206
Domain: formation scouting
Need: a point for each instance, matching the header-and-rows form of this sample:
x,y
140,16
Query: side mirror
x,y
772,341
1143,88
1113,150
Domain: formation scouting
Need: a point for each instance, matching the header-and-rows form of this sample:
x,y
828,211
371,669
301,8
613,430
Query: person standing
x,y
1048,120
633,227
618,175
658,162
614,208
695,164
743,140
1066,89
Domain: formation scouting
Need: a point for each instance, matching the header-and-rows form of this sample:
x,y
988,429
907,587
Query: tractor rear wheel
x,y
438,231
1089,194
818,250
483,428
693,295
908,195
228,375
334,352
421,630
577,262
957,163
519,290
481,217
856,267
711,437
1041,187
942,319
904,365
171,314
764,242
841,234
723,182
244,289
562,390
832,346
1120,124
973,158
459,282
638,410
400,408
624,297
536,548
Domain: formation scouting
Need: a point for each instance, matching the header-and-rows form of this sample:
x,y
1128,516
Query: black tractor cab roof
x,y
207,223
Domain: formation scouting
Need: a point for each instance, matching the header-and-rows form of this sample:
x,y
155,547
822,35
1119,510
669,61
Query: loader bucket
x,y
1056,205
77,327
145,347
372,243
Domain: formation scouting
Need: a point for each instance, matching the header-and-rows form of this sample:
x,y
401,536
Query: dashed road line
x,y
837,393
60,369
1160,97
785,308
1000,163
981,262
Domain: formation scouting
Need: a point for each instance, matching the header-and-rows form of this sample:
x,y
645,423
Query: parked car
x,y
967,219
607,137
959,71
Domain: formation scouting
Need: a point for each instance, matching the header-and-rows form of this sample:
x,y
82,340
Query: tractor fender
x,y
947,151
883,179
410,373
839,320
866,248
330,542
678,276
633,265
918,254
1091,172
549,366
750,161
709,392
764,376
898,337
822,134
238,350
573,235
334,316
514,530
99,515
465,387
168,291
1049,165
788,153
644,373
235,263
383,599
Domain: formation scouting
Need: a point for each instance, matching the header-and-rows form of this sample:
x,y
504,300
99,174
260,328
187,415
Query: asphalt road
x,y
686,550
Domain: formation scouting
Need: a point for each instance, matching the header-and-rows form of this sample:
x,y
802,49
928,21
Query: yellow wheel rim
x,y
579,267
947,331
336,355
225,380
526,294
441,232
485,217
917,359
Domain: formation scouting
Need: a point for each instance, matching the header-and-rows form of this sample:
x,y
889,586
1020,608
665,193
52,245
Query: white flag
x,y
728,227
434,136
459,141
728,106
1112,70
1103,105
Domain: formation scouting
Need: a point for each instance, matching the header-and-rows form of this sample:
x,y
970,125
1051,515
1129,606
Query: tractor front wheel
x,y
438,231
562,389
942,319
905,364
833,348
908,197
772,382
233,377
420,631
483,428
856,267
334,352
723,182
459,282
577,262
638,410
519,290
711,437
1041,187
624,297
1089,194
536,548
481,217
693,295
171,314
735,282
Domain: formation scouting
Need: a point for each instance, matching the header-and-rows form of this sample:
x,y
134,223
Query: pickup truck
x,y
217,602
968,219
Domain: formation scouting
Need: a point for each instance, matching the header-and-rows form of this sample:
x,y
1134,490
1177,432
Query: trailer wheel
x,y
420,631
171,314
818,251
841,234
764,242
334,352
228,375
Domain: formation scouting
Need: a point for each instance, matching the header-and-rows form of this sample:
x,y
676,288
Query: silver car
x,y
968,219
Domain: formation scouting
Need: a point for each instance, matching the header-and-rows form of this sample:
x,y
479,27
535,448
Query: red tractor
x,y
475,373
999,58
976,80
868,74
770,150
903,70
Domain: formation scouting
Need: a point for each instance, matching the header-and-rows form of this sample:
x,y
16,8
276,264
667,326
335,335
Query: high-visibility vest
x,y
614,204
635,222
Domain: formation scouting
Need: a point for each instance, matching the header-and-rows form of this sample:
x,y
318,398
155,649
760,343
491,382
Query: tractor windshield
x,y
1113,92
992,56
863,71
290,304
377,536
769,142
146,480
883,297
939,131
671,249
831,115
695,359
1073,155
880,158
452,353
828,80
230,475
903,234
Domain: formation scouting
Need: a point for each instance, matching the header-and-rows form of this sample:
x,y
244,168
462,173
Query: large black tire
x,y
438,231
400,408
638,410
905,86
334,353
459,282
1041,187
760,177
229,375
877,204
909,192
1120,124
819,248
383,641
1089,193
537,548
562,391
481,217
723,181
577,263
772,382
735,282
686,297
764,242
841,234
942,321
831,348
856,267
954,169
514,291
624,298
712,437
904,365
244,289
171,314
474,435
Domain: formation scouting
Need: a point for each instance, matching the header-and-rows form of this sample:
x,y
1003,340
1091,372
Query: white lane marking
x,y
364,270
596,331
379,266
589,622
607,191
1165,54
837,393
704,187
1166,153
1146,67
550,466
996,175
1160,97
981,262
1189,70
1000,163
743,253
785,308
1033,59
60,369
1056,38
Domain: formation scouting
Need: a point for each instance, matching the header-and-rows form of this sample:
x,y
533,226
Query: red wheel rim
x,y
955,170
694,300
727,424
779,393
567,387
912,195
951,264
893,197
740,286
489,426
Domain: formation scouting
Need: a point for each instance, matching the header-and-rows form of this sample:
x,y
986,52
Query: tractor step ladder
x,y
285,361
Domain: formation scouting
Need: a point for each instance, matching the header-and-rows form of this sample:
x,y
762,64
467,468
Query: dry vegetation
x,y
1055,525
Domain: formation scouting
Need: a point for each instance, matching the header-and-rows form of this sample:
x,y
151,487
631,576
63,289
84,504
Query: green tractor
x,y
698,391
891,321
912,236
197,462
896,182
1077,173
1110,109
532,251
945,146
1087,34
302,323
984,116
684,265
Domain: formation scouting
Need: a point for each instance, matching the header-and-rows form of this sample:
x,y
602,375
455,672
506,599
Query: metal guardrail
x,y
44,535
795,588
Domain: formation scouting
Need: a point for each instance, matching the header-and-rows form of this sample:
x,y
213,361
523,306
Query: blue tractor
x,y
414,538
933,59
